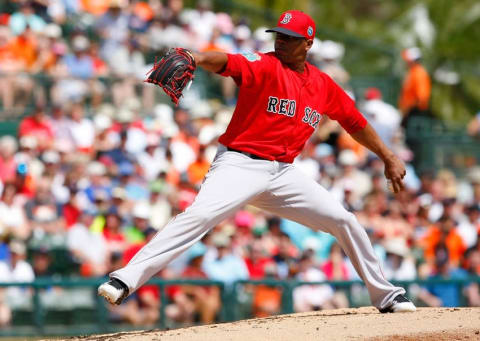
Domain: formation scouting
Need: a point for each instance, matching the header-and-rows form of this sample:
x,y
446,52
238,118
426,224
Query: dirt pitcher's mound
x,y
343,324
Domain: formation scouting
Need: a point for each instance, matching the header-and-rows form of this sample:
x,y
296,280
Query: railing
x,y
437,145
98,312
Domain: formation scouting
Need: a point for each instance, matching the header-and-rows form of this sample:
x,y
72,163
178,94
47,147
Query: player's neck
x,y
298,66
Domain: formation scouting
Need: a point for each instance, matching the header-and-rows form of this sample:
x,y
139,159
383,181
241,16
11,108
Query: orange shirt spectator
x,y
416,87
95,7
453,241
23,48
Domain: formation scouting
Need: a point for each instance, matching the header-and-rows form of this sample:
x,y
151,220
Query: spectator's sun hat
x,y
141,210
347,157
28,141
96,168
296,24
220,240
17,247
331,50
411,54
397,246
51,156
80,43
119,193
323,150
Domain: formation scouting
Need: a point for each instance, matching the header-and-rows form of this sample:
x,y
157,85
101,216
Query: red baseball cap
x,y
296,24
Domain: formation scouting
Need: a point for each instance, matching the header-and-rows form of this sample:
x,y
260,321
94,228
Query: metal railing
x,y
99,314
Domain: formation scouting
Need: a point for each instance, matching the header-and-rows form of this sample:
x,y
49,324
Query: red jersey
x,y
278,109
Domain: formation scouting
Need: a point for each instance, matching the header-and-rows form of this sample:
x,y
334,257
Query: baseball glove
x,y
173,72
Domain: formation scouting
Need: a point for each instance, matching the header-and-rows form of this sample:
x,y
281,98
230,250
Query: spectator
x,y
415,94
160,206
81,129
382,116
267,299
189,301
222,264
38,126
469,226
8,164
315,296
17,269
443,295
257,260
26,17
473,127
13,221
399,265
141,216
44,215
444,233
115,239
143,308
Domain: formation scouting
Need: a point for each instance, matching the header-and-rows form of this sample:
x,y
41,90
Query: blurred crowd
x,y
99,167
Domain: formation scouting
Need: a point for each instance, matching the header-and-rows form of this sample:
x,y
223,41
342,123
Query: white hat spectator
x,y
207,134
50,156
224,23
316,47
80,43
396,246
425,200
412,54
8,145
141,210
331,50
29,142
102,122
473,174
133,103
164,112
220,239
242,32
311,243
124,115
260,34
106,109
96,168
347,157
52,31
119,193
201,110
17,247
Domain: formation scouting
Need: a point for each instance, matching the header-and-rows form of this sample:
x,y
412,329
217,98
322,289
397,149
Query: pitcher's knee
x,y
346,222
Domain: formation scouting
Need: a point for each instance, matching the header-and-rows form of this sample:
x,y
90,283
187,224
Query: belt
x,y
250,155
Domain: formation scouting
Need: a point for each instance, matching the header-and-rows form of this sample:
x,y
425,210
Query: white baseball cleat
x,y
400,304
114,291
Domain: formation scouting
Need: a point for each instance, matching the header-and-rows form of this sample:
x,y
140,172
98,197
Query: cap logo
x,y
310,30
286,18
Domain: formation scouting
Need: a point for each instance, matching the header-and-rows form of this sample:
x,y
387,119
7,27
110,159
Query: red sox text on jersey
x,y
266,121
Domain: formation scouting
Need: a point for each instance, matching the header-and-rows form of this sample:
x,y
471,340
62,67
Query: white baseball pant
x,y
235,180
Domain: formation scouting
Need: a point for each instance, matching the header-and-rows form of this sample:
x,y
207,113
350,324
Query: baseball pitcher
x,y
281,101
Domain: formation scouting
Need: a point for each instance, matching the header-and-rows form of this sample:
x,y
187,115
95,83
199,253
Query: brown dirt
x,y
344,324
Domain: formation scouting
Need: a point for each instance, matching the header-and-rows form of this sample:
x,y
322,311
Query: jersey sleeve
x,y
246,69
340,107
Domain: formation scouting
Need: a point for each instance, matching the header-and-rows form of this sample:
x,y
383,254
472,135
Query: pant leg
x,y
232,181
295,196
